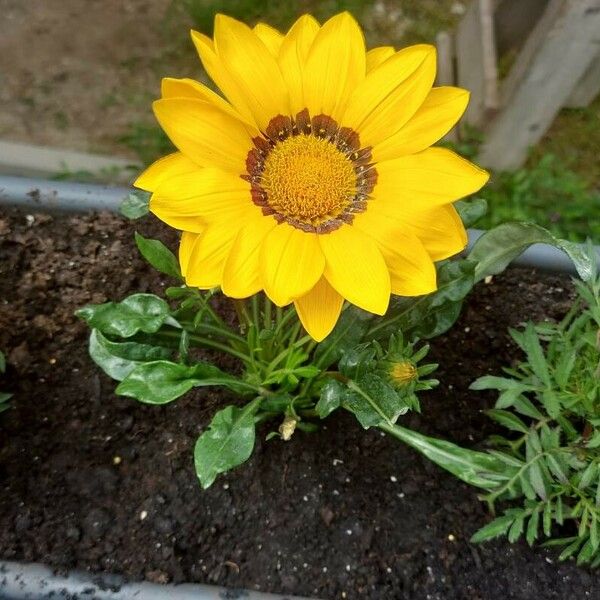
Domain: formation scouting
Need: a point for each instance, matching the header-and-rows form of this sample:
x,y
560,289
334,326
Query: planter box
x,y
100,483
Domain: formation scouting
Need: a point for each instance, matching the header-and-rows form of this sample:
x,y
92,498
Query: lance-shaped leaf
x,y
158,255
496,248
475,468
374,401
162,381
227,443
118,359
139,312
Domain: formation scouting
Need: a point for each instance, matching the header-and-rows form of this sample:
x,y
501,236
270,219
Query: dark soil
x,y
97,482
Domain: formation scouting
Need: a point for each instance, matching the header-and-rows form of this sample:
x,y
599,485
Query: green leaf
x,y
516,529
455,281
135,205
535,354
139,312
117,360
491,382
162,381
331,398
499,526
349,330
470,211
227,443
373,401
508,419
475,468
496,248
4,398
2,362
431,315
537,480
159,256
532,527
357,361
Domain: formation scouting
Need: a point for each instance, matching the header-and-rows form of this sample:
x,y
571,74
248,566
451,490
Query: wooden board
x,y
444,42
588,87
563,56
476,60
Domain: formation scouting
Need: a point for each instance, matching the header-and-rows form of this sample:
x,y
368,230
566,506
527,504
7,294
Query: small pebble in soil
x,y
143,515
117,460
393,478
451,537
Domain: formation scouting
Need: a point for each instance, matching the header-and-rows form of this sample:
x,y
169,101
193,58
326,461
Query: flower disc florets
x,y
310,173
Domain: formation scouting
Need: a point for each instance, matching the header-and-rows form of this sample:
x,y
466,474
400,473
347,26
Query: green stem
x,y
214,329
208,343
241,310
267,314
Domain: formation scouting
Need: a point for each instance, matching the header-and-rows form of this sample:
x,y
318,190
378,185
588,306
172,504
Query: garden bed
x,y
99,482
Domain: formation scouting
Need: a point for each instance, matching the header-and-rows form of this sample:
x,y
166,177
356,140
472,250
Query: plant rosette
x,y
308,194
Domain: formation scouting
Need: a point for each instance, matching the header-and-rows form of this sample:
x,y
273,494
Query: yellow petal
x,y
241,275
269,36
440,230
189,88
378,55
441,110
422,181
215,69
207,260
319,310
292,58
411,268
163,169
204,133
208,195
356,269
186,245
391,94
335,66
253,68
291,263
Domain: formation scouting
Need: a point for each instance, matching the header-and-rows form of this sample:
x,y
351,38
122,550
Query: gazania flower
x,y
311,178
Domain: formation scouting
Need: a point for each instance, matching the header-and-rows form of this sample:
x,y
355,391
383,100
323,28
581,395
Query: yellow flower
x,y
312,178
403,372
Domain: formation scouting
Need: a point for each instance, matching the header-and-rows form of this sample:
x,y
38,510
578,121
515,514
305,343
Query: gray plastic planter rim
x,y
22,581
61,196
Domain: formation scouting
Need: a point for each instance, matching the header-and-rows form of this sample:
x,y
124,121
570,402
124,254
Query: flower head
x,y
311,178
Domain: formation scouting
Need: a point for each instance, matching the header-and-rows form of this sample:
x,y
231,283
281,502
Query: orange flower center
x,y
308,179
310,173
